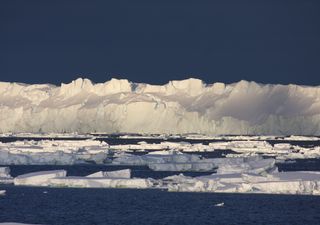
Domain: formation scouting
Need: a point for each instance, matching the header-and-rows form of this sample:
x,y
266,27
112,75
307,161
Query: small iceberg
x,y
221,204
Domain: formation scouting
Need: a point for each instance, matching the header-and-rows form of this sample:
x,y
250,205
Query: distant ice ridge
x,y
186,106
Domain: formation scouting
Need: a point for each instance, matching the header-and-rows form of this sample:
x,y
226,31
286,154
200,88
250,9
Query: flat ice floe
x,y
5,177
101,179
41,178
278,183
126,173
101,182
53,152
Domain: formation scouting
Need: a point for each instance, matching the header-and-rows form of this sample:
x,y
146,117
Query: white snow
x,y
178,107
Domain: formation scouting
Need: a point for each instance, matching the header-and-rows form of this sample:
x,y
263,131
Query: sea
x,y
80,206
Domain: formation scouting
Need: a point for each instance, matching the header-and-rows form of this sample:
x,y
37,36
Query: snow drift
x,y
187,106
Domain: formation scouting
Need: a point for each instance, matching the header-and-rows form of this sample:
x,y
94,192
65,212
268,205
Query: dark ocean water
x,y
123,206
129,206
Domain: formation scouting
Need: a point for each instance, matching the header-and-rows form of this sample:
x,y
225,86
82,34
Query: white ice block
x,y
38,178
101,182
126,173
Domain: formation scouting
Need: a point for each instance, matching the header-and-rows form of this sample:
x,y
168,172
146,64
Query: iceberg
x,y
41,178
150,158
192,166
302,182
53,152
255,165
101,179
5,177
126,173
178,107
101,182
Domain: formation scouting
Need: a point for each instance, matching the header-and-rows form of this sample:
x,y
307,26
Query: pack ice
x,y
185,106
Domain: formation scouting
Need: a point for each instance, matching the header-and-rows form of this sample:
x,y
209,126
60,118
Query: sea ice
x,y
41,178
100,182
126,173
5,177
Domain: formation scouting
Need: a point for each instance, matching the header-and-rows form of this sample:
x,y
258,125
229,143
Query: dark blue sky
x,y
57,41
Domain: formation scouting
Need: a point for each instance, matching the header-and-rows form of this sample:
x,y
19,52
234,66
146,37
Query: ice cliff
x,y
186,106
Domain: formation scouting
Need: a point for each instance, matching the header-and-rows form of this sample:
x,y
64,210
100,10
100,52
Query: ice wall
x,y
187,106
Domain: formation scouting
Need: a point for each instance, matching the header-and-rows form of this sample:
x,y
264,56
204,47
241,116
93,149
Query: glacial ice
x,y
178,107
187,166
41,178
101,182
255,165
276,183
125,173
53,152
5,177
236,175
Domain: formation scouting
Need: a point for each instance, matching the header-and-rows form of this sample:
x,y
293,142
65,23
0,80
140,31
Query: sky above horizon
x,y
153,42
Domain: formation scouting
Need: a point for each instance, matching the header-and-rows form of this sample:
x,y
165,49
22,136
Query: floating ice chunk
x,y
164,152
252,166
38,178
101,182
277,183
5,177
2,192
193,166
291,183
221,204
54,152
126,173
129,159
5,172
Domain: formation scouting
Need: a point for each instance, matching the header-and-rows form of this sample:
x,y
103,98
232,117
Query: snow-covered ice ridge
x,y
186,106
